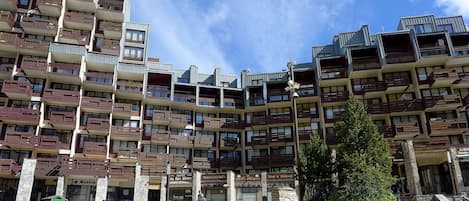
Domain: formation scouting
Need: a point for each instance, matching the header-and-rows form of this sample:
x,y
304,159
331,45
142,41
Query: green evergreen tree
x,y
363,159
315,170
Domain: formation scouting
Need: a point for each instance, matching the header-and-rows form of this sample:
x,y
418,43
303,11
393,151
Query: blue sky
x,y
262,35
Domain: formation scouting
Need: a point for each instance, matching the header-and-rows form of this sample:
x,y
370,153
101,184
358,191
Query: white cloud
x,y
261,34
454,7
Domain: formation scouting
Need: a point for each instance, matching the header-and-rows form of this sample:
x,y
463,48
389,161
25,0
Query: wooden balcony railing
x,y
229,162
441,101
99,78
212,122
74,35
65,69
121,171
282,160
379,108
80,18
124,109
202,142
7,18
337,116
260,140
125,132
48,27
9,167
179,119
82,166
10,40
406,105
160,137
280,137
111,5
128,153
397,82
17,87
335,97
399,57
229,142
161,115
104,104
447,126
97,124
260,162
130,87
180,141
27,116
372,87
94,148
155,159
20,140
61,96
27,44
432,50
201,163
111,26
431,144
110,46
48,167
214,180
278,119
184,98
38,64
258,120
62,118
406,130
365,64
233,124
6,70
51,143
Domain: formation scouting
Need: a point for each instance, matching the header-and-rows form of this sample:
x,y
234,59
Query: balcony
x,y
125,133
47,167
19,116
229,162
111,10
256,101
97,125
6,71
305,135
203,142
20,140
74,36
375,87
9,167
213,180
432,45
439,103
82,5
260,162
336,116
99,81
160,137
39,26
94,104
82,21
61,97
50,144
50,7
17,89
201,163
111,47
406,105
133,90
94,149
396,84
154,159
179,120
124,110
9,41
282,160
65,120
258,120
180,141
164,117
230,143
121,172
184,100
431,144
280,137
65,73
379,108
10,5
112,30
33,47
335,97
127,154
407,130
212,123
279,119
233,124
443,77
260,140
85,167
36,66
7,20
443,127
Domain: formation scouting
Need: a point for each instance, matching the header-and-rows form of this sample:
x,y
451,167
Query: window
x,y
63,86
359,84
257,82
333,90
23,3
39,37
405,119
230,136
334,112
133,53
253,133
98,94
282,131
435,92
182,80
135,36
445,27
280,111
121,145
126,123
423,28
154,148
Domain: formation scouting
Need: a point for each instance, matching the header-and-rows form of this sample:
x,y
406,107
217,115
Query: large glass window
x,y
133,53
135,36
445,27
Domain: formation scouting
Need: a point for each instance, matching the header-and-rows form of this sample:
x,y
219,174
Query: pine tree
x,y
363,159
315,170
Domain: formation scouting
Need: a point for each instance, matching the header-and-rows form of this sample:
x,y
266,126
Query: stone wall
x,y
284,194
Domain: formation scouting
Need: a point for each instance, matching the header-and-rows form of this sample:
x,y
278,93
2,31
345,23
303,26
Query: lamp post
x,y
292,86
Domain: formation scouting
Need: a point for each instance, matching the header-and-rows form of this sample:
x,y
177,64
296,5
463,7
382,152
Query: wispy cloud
x,y
262,35
454,7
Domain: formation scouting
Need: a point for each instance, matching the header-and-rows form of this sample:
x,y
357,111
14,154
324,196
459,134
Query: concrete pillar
x,y
411,168
141,185
101,189
284,194
61,186
264,185
231,188
25,186
196,185
456,171
164,181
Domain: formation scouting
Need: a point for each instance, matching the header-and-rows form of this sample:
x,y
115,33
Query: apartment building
x,y
86,114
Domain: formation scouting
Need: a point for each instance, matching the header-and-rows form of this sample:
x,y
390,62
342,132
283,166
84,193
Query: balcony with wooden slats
x,y
48,167
203,142
365,59
181,141
179,120
371,88
76,20
94,149
442,103
96,126
9,41
34,47
111,10
160,137
39,26
99,81
163,117
10,5
7,20
260,162
279,119
9,167
95,104
50,144
433,45
229,143
154,159
258,120
111,30
124,110
62,120
280,137
82,5
34,66
406,130
213,180
228,123
120,171
61,97
431,144
229,162
84,167
211,123
259,140
50,7
126,154
443,127
108,46
17,89
132,90
282,160
74,36
6,70
335,97
397,82
201,163
337,116
334,71
443,77
20,140
19,116
377,109
406,105
125,133
65,73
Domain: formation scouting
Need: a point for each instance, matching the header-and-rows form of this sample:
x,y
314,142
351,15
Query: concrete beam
x,y
411,168
25,186
231,188
101,189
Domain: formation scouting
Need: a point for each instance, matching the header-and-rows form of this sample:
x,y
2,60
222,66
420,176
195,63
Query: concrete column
x,y
61,186
231,188
141,185
264,185
101,189
284,194
164,181
25,186
196,185
456,172
411,168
